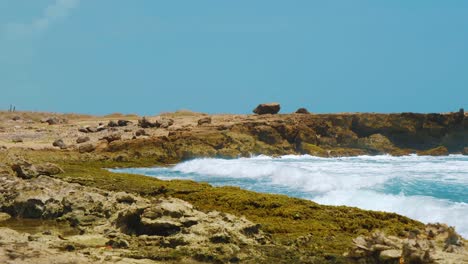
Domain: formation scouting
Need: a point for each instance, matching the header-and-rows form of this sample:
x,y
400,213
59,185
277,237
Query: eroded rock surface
x,y
439,244
135,228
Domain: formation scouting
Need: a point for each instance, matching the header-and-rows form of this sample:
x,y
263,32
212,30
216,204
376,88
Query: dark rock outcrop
x,y
302,111
271,108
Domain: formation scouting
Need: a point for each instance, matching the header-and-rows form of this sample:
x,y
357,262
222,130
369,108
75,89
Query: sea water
x,y
429,189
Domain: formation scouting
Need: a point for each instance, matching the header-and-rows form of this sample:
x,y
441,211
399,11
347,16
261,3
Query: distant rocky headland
x,y
52,179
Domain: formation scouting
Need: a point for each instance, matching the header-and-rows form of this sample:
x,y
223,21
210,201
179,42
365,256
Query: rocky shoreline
x,y
52,169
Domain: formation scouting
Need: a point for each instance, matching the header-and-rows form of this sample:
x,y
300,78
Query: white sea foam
x,y
430,189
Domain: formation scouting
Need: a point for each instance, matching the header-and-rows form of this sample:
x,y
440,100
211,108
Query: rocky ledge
x,y
117,227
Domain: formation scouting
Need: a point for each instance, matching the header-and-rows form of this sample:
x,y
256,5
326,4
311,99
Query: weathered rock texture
x,y
136,227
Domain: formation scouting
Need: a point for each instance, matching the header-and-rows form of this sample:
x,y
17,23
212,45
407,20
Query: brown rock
x,y
271,108
48,169
83,139
302,111
205,120
140,132
85,148
112,137
59,143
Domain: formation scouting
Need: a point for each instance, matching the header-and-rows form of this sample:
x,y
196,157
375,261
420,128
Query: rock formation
x,y
271,108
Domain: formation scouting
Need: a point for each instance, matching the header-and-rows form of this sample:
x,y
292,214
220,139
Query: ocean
x,y
429,189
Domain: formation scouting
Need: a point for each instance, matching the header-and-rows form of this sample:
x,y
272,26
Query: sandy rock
x,y
271,108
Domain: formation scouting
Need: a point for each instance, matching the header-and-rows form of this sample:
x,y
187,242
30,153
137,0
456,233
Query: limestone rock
x,y
271,108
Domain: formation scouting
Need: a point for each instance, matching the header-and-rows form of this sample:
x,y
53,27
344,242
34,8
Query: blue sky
x,y
151,56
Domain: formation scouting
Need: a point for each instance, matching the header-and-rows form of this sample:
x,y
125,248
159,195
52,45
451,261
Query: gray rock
x,y
59,143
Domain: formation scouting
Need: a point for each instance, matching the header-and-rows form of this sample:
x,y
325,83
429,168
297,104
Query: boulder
x,y
205,120
83,139
59,143
16,118
123,123
465,151
92,129
302,111
112,137
165,123
83,129
48,169
112,123
54,121
24,169
271,108
85,148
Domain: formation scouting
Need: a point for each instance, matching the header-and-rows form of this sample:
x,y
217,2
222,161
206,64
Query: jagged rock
x,y
112,137
16,118
83,139
271,108
205,120
376,142
85,148
59,143
302,111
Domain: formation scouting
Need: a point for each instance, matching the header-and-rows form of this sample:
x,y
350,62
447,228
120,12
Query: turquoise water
x,y
430,189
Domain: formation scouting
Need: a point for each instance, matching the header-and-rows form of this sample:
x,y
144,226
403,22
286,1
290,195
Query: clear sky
x,y
220,56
